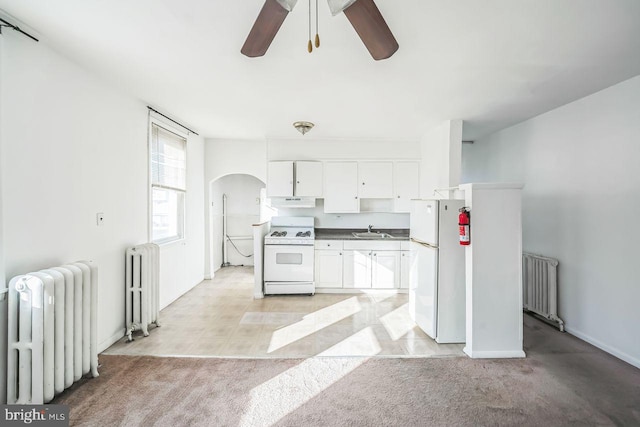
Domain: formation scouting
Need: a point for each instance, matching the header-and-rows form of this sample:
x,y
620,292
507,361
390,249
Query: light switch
x,y
99,219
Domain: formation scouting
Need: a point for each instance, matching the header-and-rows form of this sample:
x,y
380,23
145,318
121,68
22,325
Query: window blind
x,y
168,159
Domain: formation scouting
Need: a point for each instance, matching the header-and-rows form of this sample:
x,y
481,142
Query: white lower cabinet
x,y
385,269
361,265
405,269
328,268
357,269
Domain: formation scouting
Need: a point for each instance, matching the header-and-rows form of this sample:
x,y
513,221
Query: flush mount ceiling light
x,y
303,127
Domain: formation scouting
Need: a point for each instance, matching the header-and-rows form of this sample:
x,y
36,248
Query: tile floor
x,y
220,318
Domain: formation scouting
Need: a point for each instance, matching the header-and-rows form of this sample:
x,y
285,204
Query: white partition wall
x,y
259,231
494,271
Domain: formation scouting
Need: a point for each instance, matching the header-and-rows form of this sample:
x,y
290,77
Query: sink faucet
x,y
370,229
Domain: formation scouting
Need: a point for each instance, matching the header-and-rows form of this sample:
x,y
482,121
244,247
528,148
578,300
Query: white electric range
x,y
289,256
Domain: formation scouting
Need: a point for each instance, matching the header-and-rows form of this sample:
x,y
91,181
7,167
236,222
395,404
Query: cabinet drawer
x,y
372,245
328,244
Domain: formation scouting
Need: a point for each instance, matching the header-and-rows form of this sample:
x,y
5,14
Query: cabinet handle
x,y
398,195
363,183
356,197
375,254
340,253
298,182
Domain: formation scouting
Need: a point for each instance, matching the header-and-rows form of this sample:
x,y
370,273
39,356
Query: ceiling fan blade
x,y
366,19
265,28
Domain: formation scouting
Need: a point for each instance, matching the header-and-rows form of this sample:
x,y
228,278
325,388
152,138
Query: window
x,y
168,184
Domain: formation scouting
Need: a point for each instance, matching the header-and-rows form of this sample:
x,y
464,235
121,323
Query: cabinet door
x,y
375,180
341,187
308,179
385,273
280,179
405,269
328,269
406,185
356,272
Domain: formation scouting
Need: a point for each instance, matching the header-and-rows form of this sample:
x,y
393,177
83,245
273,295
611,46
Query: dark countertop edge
x,y
398,234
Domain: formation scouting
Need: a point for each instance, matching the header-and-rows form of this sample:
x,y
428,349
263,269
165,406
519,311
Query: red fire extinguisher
x,y
464,227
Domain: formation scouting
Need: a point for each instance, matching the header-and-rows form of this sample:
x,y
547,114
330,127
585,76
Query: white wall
x,y
182,263
579,164
226,157
441,155
308,148
72,146
3,303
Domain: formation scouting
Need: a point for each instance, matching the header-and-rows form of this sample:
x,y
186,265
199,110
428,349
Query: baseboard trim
x,y
359,291
111,340
604,347
511,354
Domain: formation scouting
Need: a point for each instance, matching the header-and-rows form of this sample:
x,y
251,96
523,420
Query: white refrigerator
x,y
437,279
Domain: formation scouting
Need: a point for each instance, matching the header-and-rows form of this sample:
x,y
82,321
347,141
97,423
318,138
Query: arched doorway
x,y
236,203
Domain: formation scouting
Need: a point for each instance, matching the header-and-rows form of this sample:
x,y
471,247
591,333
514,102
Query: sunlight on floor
x,y
283,394
221,318
398,322
313,322
378,295
362,343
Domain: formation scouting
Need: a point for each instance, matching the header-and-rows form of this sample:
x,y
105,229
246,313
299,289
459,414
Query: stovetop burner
x,y
304,234
278,234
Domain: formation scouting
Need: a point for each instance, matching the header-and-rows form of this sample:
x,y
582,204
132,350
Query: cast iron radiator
x,y
540,287
52,331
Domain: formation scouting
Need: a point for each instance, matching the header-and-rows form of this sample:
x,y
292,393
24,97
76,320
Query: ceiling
x,y
492,63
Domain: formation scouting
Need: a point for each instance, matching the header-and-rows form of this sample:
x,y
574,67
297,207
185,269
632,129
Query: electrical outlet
x,y
99,219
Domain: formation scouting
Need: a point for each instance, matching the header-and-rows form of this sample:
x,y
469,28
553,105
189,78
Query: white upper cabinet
x,y
281,182
308,179
280,179
406,185
341,187
375,180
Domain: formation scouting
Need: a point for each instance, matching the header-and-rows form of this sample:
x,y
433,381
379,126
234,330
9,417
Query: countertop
x,y
347,233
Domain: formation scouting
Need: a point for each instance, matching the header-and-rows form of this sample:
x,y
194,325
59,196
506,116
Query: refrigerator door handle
x,y
423,243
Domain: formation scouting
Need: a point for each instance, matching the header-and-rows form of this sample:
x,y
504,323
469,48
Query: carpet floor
x,y
563,381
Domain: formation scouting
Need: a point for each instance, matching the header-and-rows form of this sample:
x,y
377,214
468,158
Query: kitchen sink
x,y
372,235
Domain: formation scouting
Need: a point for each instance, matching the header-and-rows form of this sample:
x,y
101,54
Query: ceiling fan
x,y
364,15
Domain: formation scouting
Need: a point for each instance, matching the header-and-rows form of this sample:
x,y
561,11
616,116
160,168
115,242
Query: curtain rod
x,y
169,118
16,28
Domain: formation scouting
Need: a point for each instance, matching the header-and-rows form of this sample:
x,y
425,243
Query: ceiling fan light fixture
x,y
287,4
303,127
337,6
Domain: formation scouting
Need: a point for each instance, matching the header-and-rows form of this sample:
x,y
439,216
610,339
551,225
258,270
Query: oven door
x,y
288,263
